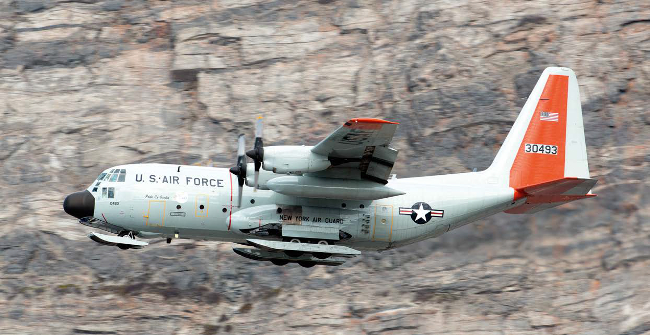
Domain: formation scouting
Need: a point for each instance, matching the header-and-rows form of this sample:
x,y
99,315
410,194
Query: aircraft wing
x,y
359,149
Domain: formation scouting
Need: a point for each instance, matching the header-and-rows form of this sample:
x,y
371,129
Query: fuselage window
x,y
111,192
114,177
103,192
122,176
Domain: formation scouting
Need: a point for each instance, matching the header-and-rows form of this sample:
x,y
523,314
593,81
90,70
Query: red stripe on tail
x,y
532,167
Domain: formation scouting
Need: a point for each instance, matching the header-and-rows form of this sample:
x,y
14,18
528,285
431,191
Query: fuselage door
x,y
156,214
383,225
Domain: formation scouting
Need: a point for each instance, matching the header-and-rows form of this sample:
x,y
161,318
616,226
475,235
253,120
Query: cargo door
x,y
383,225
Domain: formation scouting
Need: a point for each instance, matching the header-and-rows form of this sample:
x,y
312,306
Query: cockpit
x,y
114,175
108,177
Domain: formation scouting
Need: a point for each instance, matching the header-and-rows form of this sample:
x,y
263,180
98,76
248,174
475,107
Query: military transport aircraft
x,y
324,204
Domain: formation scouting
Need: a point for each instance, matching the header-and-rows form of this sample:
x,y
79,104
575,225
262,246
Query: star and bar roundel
x,y
421,212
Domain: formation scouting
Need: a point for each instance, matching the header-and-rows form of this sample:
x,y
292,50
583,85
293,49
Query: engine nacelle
x,y
264,178
293,160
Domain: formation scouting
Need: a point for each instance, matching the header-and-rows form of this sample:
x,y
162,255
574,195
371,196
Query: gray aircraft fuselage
x,y
199,203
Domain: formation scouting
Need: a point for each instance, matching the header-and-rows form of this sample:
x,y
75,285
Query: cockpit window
x,y
111,192
114,175
104,192
122,177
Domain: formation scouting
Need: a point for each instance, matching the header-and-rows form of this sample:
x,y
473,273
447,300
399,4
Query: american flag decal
x,y
548,116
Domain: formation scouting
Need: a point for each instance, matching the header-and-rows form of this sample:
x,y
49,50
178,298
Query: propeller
x,y
257,153
239,170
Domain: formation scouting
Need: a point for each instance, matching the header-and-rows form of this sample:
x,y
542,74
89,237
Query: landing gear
x,y
123,246
322,255
279,262
292,253
319,255
306,264
169,240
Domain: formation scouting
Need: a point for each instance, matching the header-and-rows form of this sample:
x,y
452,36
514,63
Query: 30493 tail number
x,y
541,149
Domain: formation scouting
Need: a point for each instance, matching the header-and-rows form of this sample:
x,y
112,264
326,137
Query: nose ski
x,y
123,242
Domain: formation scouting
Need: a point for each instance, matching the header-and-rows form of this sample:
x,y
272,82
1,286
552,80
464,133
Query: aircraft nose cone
x,y
79,204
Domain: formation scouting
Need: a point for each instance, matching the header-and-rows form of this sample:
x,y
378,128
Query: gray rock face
x,y
85,85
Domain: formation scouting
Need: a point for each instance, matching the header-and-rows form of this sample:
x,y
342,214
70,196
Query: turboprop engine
x,y
293,160
262,179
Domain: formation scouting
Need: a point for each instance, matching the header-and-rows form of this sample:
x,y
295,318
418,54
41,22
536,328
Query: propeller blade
x,y
257,154
240,190
258,127
240,169
241,145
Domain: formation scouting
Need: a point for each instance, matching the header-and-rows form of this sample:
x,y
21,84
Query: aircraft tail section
x,y
550,194
545,150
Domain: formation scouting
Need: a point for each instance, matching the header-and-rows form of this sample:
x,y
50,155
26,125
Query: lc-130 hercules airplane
x,y
322,204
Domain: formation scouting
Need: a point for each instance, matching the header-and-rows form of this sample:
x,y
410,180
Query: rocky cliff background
x,y
88,84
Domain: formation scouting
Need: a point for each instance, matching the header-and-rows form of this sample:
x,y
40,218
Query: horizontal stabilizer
x,y
554,193
117,240
565,186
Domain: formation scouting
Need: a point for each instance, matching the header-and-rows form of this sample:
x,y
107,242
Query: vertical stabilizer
x,y
546,145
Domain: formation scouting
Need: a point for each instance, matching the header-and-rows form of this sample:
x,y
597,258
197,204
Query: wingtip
x,y
561,70
370,120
